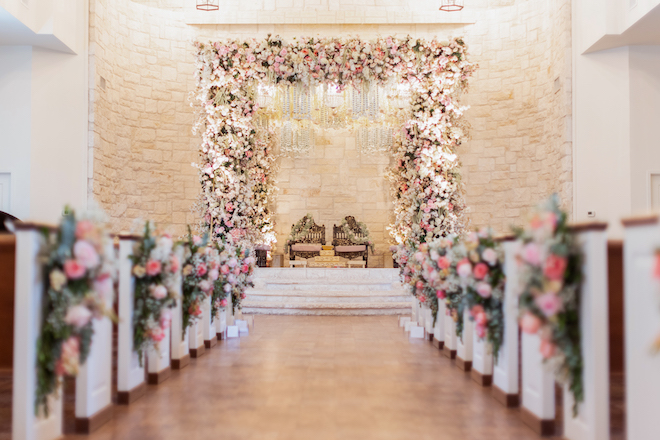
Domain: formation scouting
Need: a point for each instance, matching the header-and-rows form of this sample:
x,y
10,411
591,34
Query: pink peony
x,y
480,271
174,263
484,290
153,267
214,274
530,323
69,361
158,291
224,269
443,262
441,294
73,269
78,316
555,266
165,319
245,268
223,302
157,334
201,270
547,349
419,285
84,229
206,286
532,254
103,286
549,303
86,254
464,268
489,256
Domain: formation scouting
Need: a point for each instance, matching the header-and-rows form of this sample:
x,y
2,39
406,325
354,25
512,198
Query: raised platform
x,y
316,291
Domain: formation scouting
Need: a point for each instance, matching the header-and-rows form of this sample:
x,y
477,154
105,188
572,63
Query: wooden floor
x,y
314,378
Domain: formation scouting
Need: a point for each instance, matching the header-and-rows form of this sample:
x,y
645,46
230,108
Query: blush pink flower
x,y
549,303
175,264
214,274
419,285
224,269
78,316
194,310
86,254
243,295
443,262
165,319
157,334
197,240
84,229
69,361
158,291
489,256
481,331
245,268
464,268
441,294
532,254
530,323
480,271
73,269
547,348
484,290
555,266
421,298
153,267
223,302
103,286
200,270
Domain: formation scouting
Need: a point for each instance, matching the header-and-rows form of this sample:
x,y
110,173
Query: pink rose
x,y
441,294
165,319
197,240
69,361
103,286
84,228
549,303
73,269
194,310
224,269
243,295
489,256
532,254
232,262
481,331
547,349
481,318
86,254
480,271
223,302
174,263
464,268
78,316
245,268
201,270
555,266
158,292
157,334
419,285
206,286
419,256
530,323
484,290
153,267
443,262
214,274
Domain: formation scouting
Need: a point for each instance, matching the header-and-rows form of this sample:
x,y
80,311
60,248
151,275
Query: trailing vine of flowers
x,y
78,287
235,154
484,295
156,270
551,275
241,265
199,276
301,229
365,238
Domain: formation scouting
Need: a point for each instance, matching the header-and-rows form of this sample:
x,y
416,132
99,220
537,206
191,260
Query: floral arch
x,y
236,167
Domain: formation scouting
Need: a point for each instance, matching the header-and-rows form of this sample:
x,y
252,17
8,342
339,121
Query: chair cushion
x,y
262,247
302,247
354,248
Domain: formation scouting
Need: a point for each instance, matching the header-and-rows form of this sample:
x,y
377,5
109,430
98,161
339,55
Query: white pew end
x,y
464,348
208,323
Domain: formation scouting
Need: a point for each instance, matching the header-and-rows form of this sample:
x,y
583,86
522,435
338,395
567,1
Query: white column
x,y
130,375
505,370
179,349
94,380
464,344
642,323
28,296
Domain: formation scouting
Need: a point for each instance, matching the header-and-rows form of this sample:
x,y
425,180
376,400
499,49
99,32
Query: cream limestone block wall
x,y
520,99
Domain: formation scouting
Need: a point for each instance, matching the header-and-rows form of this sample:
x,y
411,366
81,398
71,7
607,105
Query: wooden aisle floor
x,y
316,378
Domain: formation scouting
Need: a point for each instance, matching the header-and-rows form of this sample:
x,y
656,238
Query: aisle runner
x,y
297,291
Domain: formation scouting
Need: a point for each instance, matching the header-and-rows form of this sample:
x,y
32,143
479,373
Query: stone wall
x,y
520,110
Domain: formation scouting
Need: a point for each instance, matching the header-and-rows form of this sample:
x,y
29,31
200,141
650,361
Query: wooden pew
x,y
642,323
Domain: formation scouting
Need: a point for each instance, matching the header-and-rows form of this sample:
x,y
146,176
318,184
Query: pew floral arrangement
x,y
156,270
78,288
550,274
457,270
484,294
241,265
222,253
199,276
365,238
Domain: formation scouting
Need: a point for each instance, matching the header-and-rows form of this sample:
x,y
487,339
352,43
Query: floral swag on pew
x,y
236,167
550,275
365,239
156,270
78,288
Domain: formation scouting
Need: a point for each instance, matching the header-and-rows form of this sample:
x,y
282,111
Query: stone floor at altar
x,y
318,378
331,291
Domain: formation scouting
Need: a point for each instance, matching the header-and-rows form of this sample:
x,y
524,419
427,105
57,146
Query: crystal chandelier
x,y
208,5
451,5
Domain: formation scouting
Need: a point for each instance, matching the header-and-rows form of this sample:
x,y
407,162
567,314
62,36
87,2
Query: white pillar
x,y
28,296
130,375
464,344
94,380
505,370
180,356
642,323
